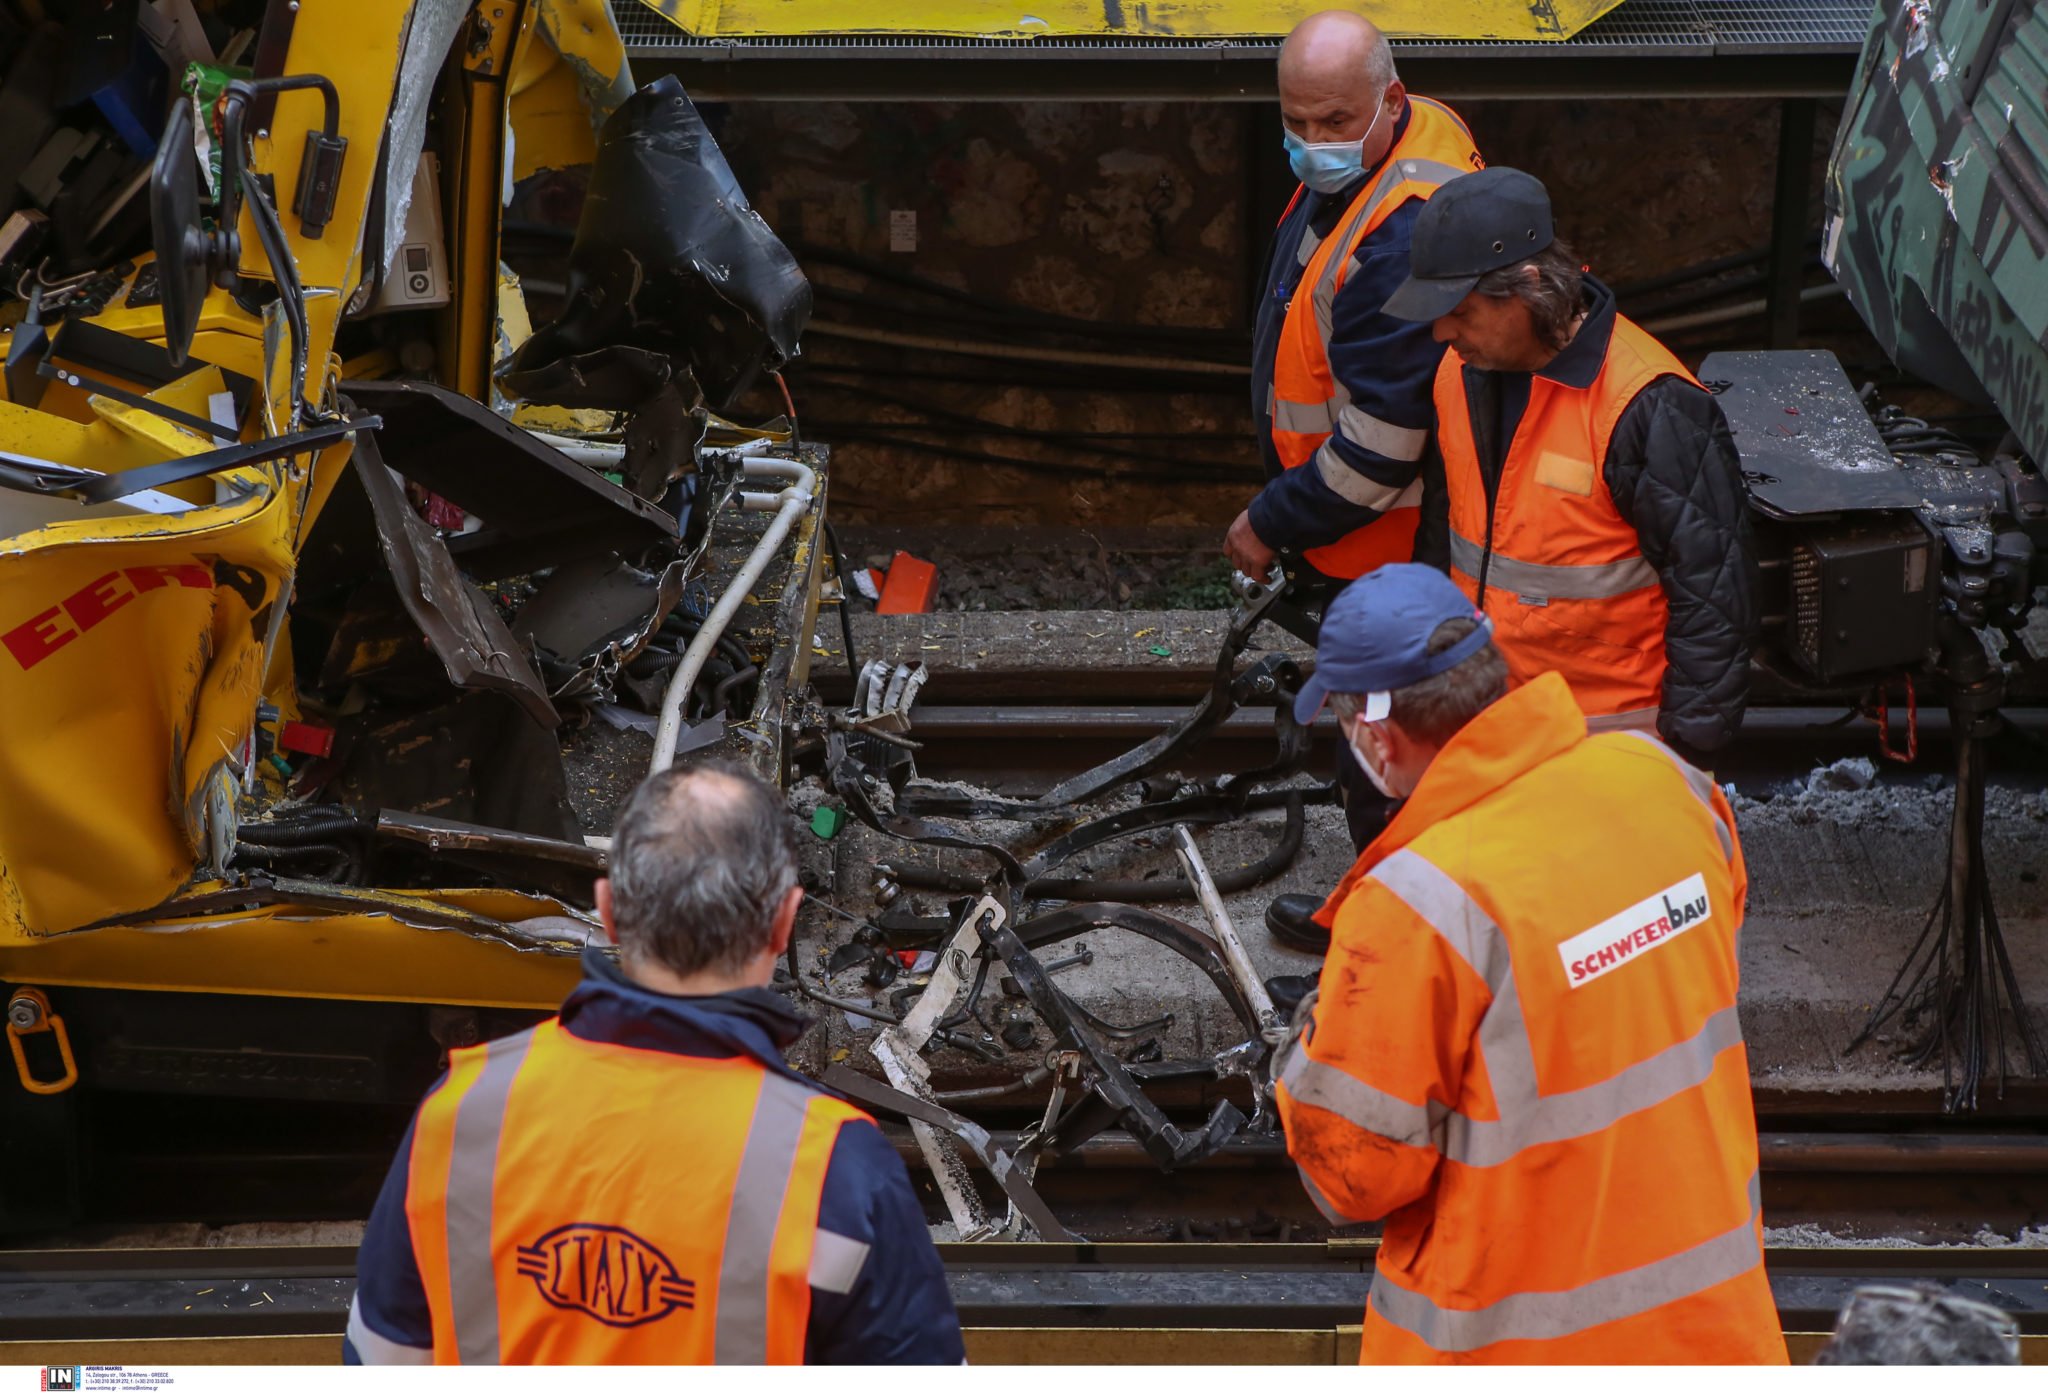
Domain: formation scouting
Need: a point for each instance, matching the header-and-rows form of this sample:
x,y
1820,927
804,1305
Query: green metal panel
x,y
1937,199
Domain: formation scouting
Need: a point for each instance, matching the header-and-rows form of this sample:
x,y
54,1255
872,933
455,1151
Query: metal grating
x,y
1649,26
1773,26
1659,27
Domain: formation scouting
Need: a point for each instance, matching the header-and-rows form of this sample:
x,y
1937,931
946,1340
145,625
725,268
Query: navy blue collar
x,y
607,1007
1580,361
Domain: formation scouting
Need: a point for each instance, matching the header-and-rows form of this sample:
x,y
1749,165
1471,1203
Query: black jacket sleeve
x,y
1673,472
1433,530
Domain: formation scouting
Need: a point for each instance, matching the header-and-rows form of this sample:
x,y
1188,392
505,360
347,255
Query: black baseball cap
x,y
1476,223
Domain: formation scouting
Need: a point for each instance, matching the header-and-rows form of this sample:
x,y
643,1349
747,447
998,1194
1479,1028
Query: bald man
x,y
1341,390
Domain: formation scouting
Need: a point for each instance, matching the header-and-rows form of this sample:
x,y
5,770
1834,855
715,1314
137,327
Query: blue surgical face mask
x,y
1328,167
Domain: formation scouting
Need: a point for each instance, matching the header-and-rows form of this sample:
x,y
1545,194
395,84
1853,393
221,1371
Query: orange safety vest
x,y
1525,1054
1307,402
572,1202
1566,582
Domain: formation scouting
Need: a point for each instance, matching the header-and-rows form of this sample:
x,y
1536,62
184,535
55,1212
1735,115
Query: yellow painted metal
x,y
132,648
569,72
357,45
473,198
264,1350
135,645
318,952
47,1022
191,394
88,444
565,420
1542,21
227,335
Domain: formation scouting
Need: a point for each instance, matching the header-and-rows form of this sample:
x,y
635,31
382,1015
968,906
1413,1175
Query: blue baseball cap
x,y
1375,638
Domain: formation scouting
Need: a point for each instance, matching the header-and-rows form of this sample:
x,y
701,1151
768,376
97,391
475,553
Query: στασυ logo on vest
x,y
608,1273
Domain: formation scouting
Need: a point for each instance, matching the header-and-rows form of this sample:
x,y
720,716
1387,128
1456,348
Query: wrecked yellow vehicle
x,y
311,550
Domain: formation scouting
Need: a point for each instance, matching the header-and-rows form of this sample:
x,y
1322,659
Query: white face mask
x,y
1378,781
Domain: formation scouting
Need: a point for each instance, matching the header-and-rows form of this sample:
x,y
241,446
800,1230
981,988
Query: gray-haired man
x,y
643,1179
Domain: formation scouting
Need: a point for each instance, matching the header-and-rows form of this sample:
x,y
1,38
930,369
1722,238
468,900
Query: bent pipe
x,y
1168,889
1197,947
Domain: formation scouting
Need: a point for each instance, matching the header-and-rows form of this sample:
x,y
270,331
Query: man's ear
x,y
1382,739
785,920
1396,97
603,893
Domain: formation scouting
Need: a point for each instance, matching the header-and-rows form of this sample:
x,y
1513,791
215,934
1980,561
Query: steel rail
x,y
140,1294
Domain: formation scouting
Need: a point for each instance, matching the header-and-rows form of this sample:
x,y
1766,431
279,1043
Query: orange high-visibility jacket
x,y
1308,402
542,1236
1524,1054
1565,579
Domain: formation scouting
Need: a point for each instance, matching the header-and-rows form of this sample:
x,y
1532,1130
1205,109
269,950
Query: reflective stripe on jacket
x,y
1553,561
572,1201
1308,403
1525,1055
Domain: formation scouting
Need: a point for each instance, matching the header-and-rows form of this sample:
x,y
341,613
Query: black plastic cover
x,y
669,258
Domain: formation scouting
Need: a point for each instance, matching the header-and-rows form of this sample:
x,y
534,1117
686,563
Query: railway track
x,y
1032,744
1021,1303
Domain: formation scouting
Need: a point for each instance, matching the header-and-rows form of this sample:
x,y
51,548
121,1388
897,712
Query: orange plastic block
x,y
910,587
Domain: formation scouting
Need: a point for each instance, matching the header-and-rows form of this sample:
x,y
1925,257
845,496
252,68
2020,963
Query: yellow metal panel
x,y
130,649
190,394
302,952
218,314
171,1353
478,111
357,46
1187,19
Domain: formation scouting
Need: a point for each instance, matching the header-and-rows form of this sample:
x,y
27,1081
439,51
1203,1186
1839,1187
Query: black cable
x,y
845,596
1155,476
1004,309
855,429
1028,432
1041,377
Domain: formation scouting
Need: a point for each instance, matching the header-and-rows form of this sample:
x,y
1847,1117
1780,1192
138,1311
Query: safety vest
x,y
1525,1054
580,1203
1566,582
1308,404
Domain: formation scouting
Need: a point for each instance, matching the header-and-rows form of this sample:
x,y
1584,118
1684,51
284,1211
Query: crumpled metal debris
x,y
671,266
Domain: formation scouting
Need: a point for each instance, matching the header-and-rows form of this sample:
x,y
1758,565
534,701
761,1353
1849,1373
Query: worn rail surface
x,y
1021,1303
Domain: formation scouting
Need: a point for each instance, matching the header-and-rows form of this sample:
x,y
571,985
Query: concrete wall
x,y
1146,214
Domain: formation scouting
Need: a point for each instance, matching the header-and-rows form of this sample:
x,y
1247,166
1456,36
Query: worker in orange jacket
x,y
642,1179
1595,507
1523,1051
1340,390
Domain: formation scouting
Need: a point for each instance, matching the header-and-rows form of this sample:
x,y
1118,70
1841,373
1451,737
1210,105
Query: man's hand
x,y
1245,551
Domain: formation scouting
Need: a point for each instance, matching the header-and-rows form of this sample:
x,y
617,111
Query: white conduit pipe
x,y
599,454
787,505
